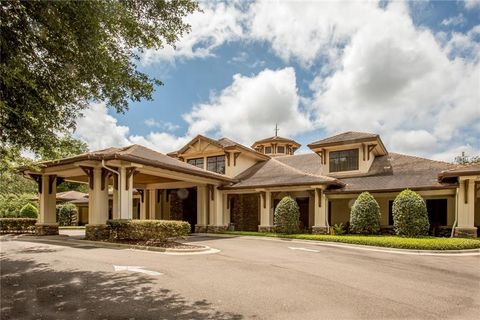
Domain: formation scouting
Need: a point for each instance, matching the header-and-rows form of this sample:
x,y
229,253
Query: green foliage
x,y
410,217
67,146
29,211
11,204
424,243
67,214
287,216
155,230
365,215
17,225
338,229
59,56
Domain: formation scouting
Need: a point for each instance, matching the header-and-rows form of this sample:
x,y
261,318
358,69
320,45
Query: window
x,y
345,160
196,162
216,164
281,149
268,149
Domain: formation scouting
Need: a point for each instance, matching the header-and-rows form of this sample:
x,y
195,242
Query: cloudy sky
x,y
409,71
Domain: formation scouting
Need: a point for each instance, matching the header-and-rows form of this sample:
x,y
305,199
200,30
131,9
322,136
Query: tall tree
x,y
57,56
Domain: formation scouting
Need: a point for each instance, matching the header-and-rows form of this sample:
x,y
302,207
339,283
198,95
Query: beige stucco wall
x,y
468,215
244,161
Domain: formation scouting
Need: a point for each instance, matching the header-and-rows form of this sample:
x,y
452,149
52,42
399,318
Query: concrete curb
x,y
101,244
348,245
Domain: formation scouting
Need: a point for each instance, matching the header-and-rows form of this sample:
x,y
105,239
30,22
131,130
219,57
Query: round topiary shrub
x,y
29,211
410,217
365,215
287,216
67,214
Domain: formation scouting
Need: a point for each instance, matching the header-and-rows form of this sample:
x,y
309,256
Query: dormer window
x,y
268,150
216,164
281,149
344,160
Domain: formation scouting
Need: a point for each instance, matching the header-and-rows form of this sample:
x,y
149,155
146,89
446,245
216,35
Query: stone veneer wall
x,y
245,212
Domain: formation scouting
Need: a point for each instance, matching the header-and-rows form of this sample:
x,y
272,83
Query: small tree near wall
x,y
287,216
67,214
410,217
365,215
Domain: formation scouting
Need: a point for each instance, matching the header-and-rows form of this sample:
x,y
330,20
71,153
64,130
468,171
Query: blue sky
x,y
406,70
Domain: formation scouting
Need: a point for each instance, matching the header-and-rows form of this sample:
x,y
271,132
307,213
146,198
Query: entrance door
x,y
303,204
189,208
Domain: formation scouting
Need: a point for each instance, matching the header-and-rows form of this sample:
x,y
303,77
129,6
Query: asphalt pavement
x,y
250,278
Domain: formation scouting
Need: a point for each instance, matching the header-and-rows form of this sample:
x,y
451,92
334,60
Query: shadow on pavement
x,y
32,290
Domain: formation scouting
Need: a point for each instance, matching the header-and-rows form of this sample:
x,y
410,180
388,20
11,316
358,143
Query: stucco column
x,y
216,222
126,195
47,219
115,200
152,202
226,210
202,209
143,204
320,213
266,212
96,229
466,208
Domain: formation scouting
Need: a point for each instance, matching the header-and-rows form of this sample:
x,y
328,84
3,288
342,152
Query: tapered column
x,y
126,195
466,208
152,203
202,209
143,204
216,221
266,212
96,229
47,221
320,212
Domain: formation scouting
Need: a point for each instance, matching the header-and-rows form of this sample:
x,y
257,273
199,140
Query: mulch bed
x,y
159,244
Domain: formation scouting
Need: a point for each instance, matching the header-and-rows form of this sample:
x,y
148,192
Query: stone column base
x,y
97,232
200,228
216,229
46,229
319,230
266,228
465,232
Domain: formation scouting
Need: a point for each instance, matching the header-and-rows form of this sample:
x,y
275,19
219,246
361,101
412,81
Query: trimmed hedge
x,y
410,217
29,211
365,215
156,230
287,216
17,225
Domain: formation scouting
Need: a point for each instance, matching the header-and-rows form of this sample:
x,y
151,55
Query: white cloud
x,y
249,108
165,125
217,24
454,21
472,4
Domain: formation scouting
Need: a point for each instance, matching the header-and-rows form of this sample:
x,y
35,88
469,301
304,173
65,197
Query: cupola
x,y
276,145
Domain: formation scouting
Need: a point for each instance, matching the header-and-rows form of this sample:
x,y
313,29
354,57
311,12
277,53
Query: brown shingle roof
x,y
142,155
310,163
344,138
274,173
461,170
397,172
276,139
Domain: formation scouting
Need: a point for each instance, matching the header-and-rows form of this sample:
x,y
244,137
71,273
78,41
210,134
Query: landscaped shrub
x,y
157,230
67,214
338,229
11,204
410,217
29,211
17,225
287,216
365,215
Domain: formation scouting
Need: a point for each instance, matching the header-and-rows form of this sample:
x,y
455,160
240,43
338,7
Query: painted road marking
x,y
303,249
137,269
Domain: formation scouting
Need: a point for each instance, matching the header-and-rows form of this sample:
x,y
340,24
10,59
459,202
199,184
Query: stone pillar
x,y
202,209
126,194
47,219
143,204
216,222
266,212
96,229
152,203
320,213
466,208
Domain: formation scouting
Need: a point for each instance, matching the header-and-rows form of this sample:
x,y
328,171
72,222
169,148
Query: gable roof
x,y
274,173
347,138
395,172
141,155
460,170
276,139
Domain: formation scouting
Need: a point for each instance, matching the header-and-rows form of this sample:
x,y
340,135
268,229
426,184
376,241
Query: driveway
x,y
248,278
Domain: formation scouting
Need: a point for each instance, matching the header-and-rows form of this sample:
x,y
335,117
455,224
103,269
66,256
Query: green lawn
x,y
424,243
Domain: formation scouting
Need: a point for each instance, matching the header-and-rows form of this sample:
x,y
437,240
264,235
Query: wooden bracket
x,y
130,172
142,194
363,151
38,179
263,194
105,175
235,156
211,190
51,180
227,155
370,149
89,172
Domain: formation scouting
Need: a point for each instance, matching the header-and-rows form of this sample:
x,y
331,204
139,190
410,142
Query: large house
x,y
221,184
